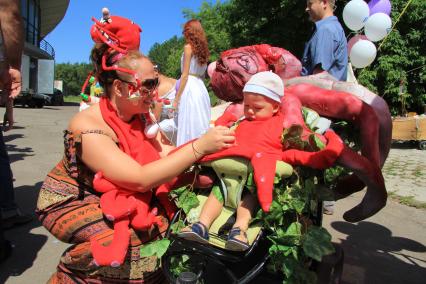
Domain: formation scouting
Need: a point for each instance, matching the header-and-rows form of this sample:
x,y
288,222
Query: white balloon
x,y
355,14
363,53
377,26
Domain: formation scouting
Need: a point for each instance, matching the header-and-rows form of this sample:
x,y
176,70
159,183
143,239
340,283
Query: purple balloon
x,y
379,6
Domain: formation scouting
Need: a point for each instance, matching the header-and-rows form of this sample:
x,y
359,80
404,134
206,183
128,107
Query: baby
x,y
262,102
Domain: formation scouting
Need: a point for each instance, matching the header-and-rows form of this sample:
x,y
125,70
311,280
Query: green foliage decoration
x,y
291,138
186,199
157,248
295,241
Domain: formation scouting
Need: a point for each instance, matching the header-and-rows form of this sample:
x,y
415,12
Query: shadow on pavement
x,y
15,126
18,154
10,137
26,244
373,255
52,108
15,153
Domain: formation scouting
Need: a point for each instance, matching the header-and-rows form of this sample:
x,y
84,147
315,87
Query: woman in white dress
x,y
192,101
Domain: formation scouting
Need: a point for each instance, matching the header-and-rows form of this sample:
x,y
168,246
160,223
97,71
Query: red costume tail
x,y
115,253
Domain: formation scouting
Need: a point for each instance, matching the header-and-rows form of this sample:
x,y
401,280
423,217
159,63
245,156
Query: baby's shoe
x,y
237,240
196,232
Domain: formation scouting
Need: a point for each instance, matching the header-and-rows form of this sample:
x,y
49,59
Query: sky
x,y
159,20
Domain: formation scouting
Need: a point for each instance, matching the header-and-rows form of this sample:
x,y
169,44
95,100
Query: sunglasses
x,y
140,89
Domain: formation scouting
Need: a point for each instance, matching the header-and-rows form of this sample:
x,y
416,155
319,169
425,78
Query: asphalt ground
x,y
390,247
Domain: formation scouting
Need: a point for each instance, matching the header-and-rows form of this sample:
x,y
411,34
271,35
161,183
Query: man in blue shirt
x,y
327,48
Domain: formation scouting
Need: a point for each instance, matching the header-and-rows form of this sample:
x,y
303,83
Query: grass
x,y
407,200
72,99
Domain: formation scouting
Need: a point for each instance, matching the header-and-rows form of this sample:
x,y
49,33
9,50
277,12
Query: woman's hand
x,y
214,140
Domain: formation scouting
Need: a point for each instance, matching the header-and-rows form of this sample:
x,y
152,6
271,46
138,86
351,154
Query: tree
x,y
282,23
401,60
167,56
214,20
73,76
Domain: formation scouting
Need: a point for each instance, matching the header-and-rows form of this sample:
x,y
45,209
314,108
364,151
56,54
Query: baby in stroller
x,y
262,101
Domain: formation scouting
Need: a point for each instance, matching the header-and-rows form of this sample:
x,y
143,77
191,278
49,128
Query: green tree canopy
x,y
167,56
401,60
73,76
284,23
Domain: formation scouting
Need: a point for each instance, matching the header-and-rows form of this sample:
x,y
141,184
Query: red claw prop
x,y
329,98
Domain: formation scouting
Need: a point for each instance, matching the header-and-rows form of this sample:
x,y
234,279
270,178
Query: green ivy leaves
x,y
186,199
295,241
157,248
317,243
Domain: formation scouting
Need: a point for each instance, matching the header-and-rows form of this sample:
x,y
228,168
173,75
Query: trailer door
x,y
25,73
46,69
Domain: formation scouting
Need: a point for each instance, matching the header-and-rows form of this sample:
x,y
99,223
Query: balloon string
x,y
397,20
393,27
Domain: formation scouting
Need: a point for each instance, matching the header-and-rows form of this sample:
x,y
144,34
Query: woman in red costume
x,y
109,138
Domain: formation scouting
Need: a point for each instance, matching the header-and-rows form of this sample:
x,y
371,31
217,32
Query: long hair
x,y
195,36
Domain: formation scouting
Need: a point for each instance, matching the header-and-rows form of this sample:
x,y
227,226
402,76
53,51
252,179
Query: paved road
x,y
387,248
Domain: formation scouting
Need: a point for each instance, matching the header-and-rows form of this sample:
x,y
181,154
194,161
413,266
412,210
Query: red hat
x,y
119,33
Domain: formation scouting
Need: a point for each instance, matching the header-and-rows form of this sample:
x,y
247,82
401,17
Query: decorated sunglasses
x,y
141,89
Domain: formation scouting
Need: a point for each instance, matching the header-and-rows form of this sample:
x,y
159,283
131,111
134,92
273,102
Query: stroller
x,y
192,262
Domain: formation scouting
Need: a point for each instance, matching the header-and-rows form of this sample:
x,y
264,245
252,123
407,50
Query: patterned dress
x,y
68,207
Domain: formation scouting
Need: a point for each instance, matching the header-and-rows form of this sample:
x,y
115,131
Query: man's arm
x,y
12,34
